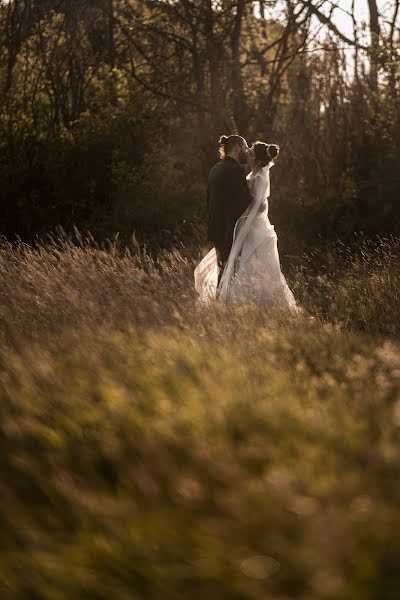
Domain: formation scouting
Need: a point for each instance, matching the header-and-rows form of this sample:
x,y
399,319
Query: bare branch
x,y
329,23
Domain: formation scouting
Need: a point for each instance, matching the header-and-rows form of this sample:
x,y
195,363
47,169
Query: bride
x,y
252,274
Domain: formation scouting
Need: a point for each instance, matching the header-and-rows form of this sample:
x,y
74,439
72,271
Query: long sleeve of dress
x,y
260,189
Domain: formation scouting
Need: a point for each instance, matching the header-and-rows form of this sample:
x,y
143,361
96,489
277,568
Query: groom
x,y
227,196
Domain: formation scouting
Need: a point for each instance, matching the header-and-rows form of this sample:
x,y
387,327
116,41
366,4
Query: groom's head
x,y
234,146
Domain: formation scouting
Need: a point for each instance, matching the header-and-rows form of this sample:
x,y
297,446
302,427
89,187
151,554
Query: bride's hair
x,y
264,153
227,143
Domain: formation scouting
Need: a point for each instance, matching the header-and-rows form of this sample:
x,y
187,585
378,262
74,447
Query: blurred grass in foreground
x,y
154,449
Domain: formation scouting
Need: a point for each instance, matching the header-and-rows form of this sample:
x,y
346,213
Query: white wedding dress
x,y
252,274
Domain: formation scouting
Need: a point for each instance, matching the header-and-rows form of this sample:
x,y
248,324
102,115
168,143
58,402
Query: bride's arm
x,y
258,187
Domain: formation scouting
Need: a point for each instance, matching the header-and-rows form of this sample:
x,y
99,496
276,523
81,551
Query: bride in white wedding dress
x,y
252,274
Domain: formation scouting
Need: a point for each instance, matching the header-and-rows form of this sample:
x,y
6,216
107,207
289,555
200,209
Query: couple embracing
x,y
243,266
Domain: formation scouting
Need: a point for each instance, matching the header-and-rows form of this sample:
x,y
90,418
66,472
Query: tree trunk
x,y
215,87
239,100
374,47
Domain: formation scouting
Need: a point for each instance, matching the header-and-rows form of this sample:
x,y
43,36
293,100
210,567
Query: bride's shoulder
x,y
264,172
260,176
257,175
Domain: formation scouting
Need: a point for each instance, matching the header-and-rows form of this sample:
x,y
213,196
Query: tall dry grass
x,y
151,448
68,282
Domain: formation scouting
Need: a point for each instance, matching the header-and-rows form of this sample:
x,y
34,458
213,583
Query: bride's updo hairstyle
x,y
227,143
264,153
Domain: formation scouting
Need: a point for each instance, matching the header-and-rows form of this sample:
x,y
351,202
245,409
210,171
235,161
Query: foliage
x,y
111,112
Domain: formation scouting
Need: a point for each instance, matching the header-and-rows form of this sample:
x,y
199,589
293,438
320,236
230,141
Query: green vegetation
x,y
152,448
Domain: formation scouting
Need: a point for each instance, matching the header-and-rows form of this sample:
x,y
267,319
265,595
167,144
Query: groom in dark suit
x,y
227,196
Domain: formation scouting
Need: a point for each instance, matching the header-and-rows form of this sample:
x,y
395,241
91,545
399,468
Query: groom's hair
x,y
227,143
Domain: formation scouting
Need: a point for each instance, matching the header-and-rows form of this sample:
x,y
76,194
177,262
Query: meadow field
x,y
152,448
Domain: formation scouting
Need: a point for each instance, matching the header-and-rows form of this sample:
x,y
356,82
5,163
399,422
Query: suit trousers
x,y
222,249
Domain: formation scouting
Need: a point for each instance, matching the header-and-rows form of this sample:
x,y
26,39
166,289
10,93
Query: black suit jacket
x,y
227,198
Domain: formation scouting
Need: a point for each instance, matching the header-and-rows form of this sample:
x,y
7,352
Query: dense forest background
x,y
110,112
